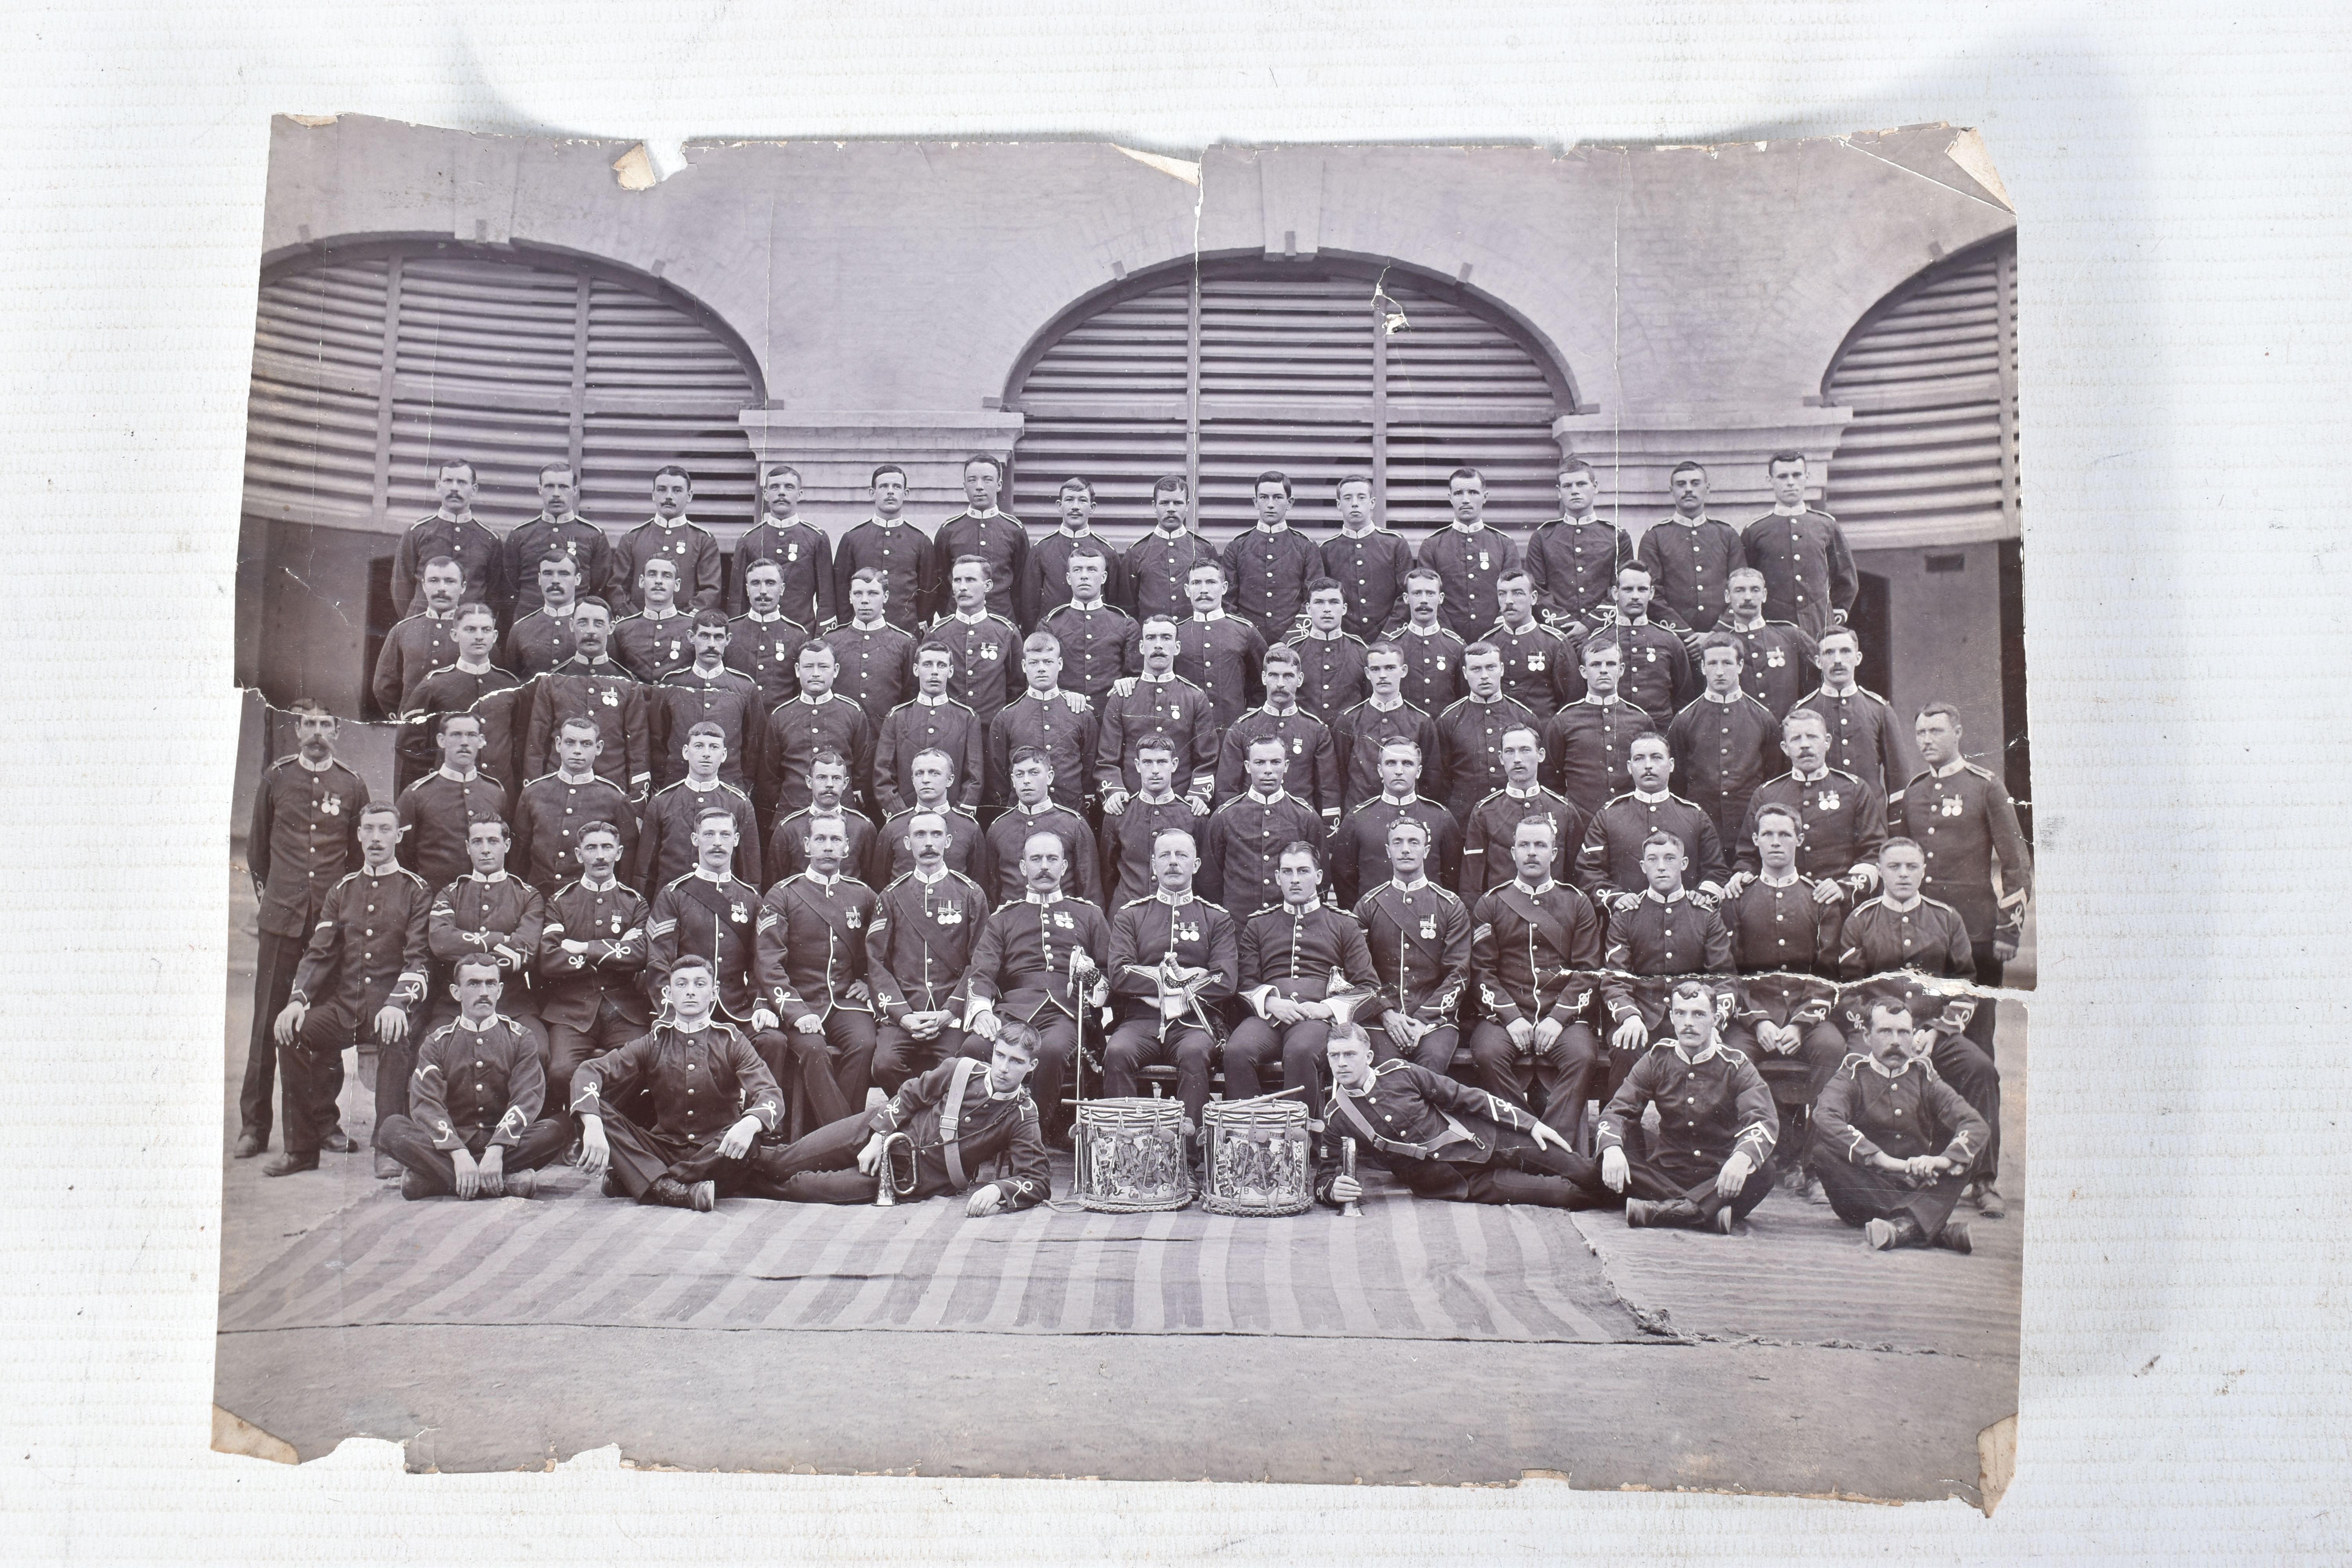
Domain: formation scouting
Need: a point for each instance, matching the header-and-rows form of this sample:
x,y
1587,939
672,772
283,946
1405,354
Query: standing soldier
x,y
473,1128
1535,958
676,809
592,687
710,915
801,551
1865,738
1368,563
1361,732
1269,566
1610,864
556,809
453,533
558,530
1222,655
708,692
1809,574
1843,820
1161,702
1174,958
930,721
1894,1143
1314,775
1331,661
1779,667
466,686
1712,1160
1539,664
933,773
1690,555
694,555
811,960
1488,853
1096,641
799,731
362,980
713,1099
1963,819
997,540
765,643
919,945
876,657
304,837
1034,811
1574,557
828,787
1467,556
1433,654
1295,954
887,542
590,957
423,642
439,810
985,644
1047,585
1159,564
1245,839
1586,741
1419,936
660,637
1154,809
1059,724
1360,850
1470,733
1658,669
541,637
1039,960
1724,740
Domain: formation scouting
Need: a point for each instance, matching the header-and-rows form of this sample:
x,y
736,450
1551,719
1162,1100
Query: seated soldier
x,y
933,772
1784,941
931,1137
1893,1144
1534,955
1712,1162
1039,960
713,1099
488,913
918,944
1294,957
810,957
1174,959
1440,1138
472,1125
592,952
1660,937
1419,936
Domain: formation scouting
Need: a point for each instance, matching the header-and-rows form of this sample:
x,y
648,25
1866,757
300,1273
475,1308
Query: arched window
x,y
373,361
1318,368
1931,375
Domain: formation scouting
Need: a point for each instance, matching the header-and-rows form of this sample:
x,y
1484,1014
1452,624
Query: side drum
x,y
1131,1155
1256,1157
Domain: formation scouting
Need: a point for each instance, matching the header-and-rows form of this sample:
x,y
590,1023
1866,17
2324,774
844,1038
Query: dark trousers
x,y
273,983
312,1071
1795,1079
642,1155
1137,1044
1257,1043
568,1047
1516,1173
1434,1050
898,1056
1667,1174
542,1143
1556,1075
825,1074
1861,1195
1968,1068
822,1168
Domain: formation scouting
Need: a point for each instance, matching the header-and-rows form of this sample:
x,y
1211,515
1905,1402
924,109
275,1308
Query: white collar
x,y
934,880
1887,900
828,883
972,619
1083,529
717,879
772,521
1580,518
1814,777
1158,799
495,877
1044,695
939,807
1264,799
1730,699
576,778
1430,630
1484,701
1282,527
681,521
1268,706
483,1027
813,699
1597,701
941,701
1377,705
1949,769
1799,510
694,1028
1546,887
1648,799
1713,1044
389,867
1334,634
1166,535
1416,885
465,516
606,885
1174,901
1458,526
1678,896
1398,799
700,786
555,612
1516,792
1756,625
812,810
1516,631
430,613
458,778
979,513
311,767
650,614
1086,606
695,668
1046,902
1840,693
1366,532
1686,521
1216,615
757,619
1039,809
1162,679
876,625
1790,880
1882,1070
898,522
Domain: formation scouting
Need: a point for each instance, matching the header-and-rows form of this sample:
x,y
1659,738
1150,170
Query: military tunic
x,y
543,536
1585,745
1723,752
919,940
1224,656
1843,820
454,689
611,696
1433,667
1710,1106
1010,833
1063,726
1777,667
669,850
1172,706
1302,955
1611,856
1692,563
921,725
465,541
549,816
1358,859
591,1002
1242,847
998,538
1158,567
805,555
1331,673
1658,675
1045,586
987,653
501,917
1369,568
788,857
1363,730
1021,969
1809,572
967,854
1314,775
1573,562
367,951
1654,942
699,916
474,1089
1127,838
901,552
769,651
1470,749
878,664
688,696
1269,569
1494,828
1098,647
413,649
699,1082
1866,739
1901,1113
1143,934
685,544
542,640
797,731
1467,561
1965,822
436,812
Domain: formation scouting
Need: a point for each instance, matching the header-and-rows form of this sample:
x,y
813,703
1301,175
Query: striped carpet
x,y
1405,1270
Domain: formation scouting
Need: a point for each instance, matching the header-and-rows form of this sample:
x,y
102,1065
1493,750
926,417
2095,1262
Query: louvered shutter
x,y
1107,403
311,414
1931,454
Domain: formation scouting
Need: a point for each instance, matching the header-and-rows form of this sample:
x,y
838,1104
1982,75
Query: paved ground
x,y
1432,1344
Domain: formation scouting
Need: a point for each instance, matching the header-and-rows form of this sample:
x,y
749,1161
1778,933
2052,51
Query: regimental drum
x,y
1131,1155
1256,1160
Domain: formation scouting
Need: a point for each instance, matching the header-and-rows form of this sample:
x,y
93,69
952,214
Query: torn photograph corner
x,y
1333,815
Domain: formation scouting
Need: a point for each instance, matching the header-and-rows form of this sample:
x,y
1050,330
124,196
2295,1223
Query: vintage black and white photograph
x,y
1329,814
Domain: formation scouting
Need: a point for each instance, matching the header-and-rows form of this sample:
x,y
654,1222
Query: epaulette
x,y
1146,899
1875,899
1977,768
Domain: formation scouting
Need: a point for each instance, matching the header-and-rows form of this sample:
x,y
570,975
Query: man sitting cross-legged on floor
x,y
1893,1144
934,1136
472,1125
712,1096
1442,1139
1711,1161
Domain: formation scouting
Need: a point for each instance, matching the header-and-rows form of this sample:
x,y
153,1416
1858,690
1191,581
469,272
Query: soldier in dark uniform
x,y
1159,564
1368,563
816,721
1535,948
1467,556
1419,936
828,796
1432,651
713,1099
673,812
1033,810
540,639
997,540
930,721
1609,865
1470,734
1865,738
1243,840
919,945
1175,960
887,542
592,951
554,809
1294,956
1690,554
420,643
1539,664
1663,936
1220,654
707,692
558,530
487,912
1656,669
1313,770
1330,660
1039,961
954,1119
362,977
1574,557
1725,743
452,532
438,810
709,914
1712,1162
986,645
304,837
591,686
693,553
763,642
811,962
1963,820
1585,742
1359,849
1487,857
1269,565
1362,733
1442,1139
802,553
1809,574
471,685
1844,820
1155,809
1779,667
1059,723
1047,585
877,655
933,772
1096,638
1162,703
1893,1142
473,1126
1785,939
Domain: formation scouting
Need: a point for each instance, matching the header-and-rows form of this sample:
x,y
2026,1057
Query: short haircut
x,y
941,648
1662,837
707,728
1775,809
1536,819
1650,735
1216,566
1325,586
764,563
1737,573
1513,574
674,468
456,716
870,575
591,602
471,607
978,561
1603,643
450,561
915,817
379,808
1275,741
1685,467
1401,744
1030,755
1349,1034
580,721
600,826
1299,847
809,826
690,961
1190,842
1797,716
876,477
1574,466
1899,842
1046,837
1533,734
312,707
1281,653
1090,550
1464,474
1384,649
555,468
664,562
708,812
556,558
1020,1035
770,470
1776,458
1352,479
1041,642
710,618
1889,1005
995,463
1271,477
817,647
497,822
1424,573
829,758
1076,481
1166,483
1723,640
445,464
1635,566
1480,650
473,960
1847,632
1409,825
1151,621
1946,708
938,752
1157,741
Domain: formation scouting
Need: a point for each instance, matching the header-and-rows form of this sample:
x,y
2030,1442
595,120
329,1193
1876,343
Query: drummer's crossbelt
x,y
951,1117
1455,1134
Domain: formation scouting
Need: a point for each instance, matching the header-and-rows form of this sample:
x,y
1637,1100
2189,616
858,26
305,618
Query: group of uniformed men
x,y
1578,820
